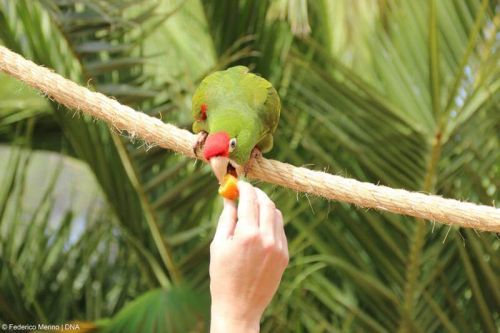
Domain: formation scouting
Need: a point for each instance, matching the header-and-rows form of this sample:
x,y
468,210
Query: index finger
x,y
248,208
227,221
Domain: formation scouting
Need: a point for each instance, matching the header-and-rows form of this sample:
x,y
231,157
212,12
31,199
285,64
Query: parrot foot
x,y
200,141
256,153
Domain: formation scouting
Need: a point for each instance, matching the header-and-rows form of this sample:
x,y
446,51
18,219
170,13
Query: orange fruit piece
x,y
229,187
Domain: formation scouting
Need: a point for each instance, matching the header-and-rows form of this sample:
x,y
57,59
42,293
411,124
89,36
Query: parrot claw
x,y
256,153
200,141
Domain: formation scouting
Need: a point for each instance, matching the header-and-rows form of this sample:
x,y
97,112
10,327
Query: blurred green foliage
x,y
402,93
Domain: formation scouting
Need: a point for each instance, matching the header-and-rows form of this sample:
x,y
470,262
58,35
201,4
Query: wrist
x,y
224,322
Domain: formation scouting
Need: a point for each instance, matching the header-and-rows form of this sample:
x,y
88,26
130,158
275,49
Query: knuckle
x,y
280,215
269,244
280,224
271,248
286,261
283,258
286,257
269,205
251,235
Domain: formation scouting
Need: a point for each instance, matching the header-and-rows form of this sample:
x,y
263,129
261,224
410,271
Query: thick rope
x,y
153,130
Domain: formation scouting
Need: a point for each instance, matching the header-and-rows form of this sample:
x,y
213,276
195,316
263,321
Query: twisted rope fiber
x,y
153,130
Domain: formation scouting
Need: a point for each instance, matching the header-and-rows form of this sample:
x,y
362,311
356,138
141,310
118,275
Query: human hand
x,y
247,261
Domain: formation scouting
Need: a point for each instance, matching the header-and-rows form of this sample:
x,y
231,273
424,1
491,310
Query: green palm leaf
x,y
403,93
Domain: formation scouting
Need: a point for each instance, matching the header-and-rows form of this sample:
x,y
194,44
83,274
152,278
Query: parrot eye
x,y
232,144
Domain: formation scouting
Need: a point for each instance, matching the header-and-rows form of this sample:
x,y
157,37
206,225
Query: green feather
x,y
242,104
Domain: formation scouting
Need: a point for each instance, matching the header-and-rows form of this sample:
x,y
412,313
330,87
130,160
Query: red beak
x,y
216,151
216,144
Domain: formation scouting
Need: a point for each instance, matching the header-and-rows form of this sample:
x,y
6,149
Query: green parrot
x,y
235,115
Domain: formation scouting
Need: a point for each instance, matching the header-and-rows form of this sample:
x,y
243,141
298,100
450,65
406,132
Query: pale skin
x,y
248,256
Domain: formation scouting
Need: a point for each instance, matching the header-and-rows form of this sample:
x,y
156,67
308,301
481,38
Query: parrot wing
x,y
264,99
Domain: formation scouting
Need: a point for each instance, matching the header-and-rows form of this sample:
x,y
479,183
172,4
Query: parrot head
x,y
236,112
218,150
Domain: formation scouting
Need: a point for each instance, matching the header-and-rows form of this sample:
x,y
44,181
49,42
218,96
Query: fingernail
x,y
228,203
241,184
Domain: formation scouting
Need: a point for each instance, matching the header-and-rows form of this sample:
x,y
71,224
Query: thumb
x,y
227,221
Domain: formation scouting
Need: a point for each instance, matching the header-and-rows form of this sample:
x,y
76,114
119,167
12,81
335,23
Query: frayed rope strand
x,y
154,131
